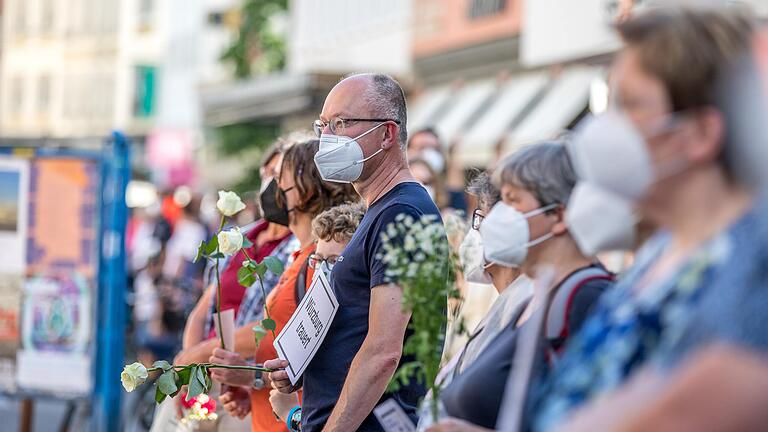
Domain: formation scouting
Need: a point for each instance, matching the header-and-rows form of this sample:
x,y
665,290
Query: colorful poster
x,y
14,202
57,309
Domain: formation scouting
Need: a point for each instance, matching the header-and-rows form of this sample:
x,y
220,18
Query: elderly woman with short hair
x,y
526,230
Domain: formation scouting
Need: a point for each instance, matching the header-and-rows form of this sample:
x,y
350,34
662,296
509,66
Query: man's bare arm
x,y
375,362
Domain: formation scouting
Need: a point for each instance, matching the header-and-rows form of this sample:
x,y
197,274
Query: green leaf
x,y
258,333
260,269
243,273
217,255
246,243
207,382
245,277
200,251
249,281
159,396
212,245
196,383
162,364
269,324
167,382
274,265
182,376
207,248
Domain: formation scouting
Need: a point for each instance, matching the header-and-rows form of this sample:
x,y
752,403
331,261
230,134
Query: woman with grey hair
x,y
485,319
526,230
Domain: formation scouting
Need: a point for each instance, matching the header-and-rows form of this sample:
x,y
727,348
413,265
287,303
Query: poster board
x,y
49,242
14,203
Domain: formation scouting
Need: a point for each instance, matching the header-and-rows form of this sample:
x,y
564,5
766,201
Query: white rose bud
x,y
133,375
230,241
229,203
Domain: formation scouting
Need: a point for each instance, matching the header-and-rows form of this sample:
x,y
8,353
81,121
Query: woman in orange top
x,y
303,195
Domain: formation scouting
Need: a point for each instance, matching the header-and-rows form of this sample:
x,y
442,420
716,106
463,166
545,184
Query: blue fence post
x,y
110,324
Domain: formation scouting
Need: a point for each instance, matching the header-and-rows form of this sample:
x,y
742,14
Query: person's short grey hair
x,y
544,169
486,192
386,99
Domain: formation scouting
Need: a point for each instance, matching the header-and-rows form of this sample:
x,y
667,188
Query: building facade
x,y
473,87
77,69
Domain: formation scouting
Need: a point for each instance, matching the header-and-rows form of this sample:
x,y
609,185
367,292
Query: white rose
x,y
133,375
229,203
230,241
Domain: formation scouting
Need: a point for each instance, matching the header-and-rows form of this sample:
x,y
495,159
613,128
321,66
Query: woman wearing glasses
x,y
301,195
483,320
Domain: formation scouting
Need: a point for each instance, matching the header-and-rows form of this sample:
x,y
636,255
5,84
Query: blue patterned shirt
x,y
628,326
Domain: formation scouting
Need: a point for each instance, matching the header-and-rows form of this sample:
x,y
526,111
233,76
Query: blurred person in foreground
x,y
664,146
332,229
363,136
527,230
425,145
713,376
302,195
199,339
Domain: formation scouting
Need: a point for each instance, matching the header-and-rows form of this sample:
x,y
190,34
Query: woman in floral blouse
x,y
665,148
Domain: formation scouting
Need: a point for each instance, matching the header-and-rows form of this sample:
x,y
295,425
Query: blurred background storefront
x,y
203,85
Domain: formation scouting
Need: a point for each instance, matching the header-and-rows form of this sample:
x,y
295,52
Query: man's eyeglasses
x,y
315,261
338,124
477,219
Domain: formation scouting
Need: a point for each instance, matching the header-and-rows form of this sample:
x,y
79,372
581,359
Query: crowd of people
x,y
672,175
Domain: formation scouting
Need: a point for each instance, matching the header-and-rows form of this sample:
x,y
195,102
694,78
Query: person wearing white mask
x,y
363,135
426,175
425,144
709,377
664,146
526,230
484,315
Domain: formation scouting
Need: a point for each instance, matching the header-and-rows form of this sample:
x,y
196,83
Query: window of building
x,y
43,94
144,94
16,100
484,8
145,14
47,11
21,18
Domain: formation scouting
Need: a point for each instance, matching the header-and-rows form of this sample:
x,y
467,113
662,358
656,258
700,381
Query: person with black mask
x,y
269,236
299,195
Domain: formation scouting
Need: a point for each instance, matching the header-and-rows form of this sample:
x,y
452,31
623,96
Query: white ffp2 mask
x,y
599,220
340,158
472,260
506,234
609,151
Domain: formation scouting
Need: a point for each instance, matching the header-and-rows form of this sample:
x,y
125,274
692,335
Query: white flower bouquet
x,y
418,258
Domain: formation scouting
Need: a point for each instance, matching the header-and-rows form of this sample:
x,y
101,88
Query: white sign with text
x,y
301,337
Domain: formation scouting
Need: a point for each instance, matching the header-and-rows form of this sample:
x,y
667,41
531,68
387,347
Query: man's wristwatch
x,y
294,419
258,381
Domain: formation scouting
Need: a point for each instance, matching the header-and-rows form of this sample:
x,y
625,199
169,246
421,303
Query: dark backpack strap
x,y
301,282
556,329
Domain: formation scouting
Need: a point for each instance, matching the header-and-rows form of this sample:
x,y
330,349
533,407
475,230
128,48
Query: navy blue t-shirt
x,y
352,279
